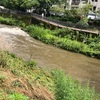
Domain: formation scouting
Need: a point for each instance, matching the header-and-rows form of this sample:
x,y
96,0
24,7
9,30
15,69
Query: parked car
x,y
93,16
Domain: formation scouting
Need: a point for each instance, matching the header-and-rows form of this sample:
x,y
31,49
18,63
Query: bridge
x,y
47,20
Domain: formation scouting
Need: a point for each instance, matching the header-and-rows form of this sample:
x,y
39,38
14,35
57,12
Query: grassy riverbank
x,y
20,80
88,44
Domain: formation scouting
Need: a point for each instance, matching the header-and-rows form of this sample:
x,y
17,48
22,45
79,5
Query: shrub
x,y
3,59
21,24
31,64
83,23
67,39
8,21
2,78
67,89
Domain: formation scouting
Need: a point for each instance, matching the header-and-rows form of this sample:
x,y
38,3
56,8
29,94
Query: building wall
x,y
76,3
95,4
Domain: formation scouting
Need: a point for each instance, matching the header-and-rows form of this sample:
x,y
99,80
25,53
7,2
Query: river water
x,y
78,66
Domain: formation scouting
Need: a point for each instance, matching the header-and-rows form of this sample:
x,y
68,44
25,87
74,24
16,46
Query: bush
x,y
16,96
70,24
8,21
83,23
64,38
68,89
31,64
67,39
12,21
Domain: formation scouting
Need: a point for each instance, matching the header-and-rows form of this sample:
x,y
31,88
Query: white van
x,y
94,16
91,16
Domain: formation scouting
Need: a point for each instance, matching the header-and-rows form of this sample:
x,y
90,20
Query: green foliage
x,y
8,21
68,39
23,5
2,95
64,87
67,89
31,64
71,15
15,72
2,78
11,21
21,24
16,96
85,9
57,9
3,59
16,83
6,60
83,23
19,4
37,32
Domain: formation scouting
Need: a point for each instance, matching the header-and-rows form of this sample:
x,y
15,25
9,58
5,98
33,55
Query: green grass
x,y
16,96
11,21
67,39
28,71
80,42
68,89
62,86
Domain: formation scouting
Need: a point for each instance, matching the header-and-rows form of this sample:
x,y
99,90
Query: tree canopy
x,y
27,4
19,4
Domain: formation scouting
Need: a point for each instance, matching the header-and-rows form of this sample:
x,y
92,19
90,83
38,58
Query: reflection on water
x,y
78,66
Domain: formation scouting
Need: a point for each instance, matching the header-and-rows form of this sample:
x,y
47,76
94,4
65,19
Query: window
x,y
94,8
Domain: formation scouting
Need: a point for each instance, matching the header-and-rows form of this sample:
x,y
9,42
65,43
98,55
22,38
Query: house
x,y
95,4
78,3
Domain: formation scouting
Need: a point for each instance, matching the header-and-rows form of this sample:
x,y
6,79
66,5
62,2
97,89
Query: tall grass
x,y
67,39
28,71
61,85
11,21
17,96
68,89
65,87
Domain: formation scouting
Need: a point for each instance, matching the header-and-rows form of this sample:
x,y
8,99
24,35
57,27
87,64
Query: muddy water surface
x,y
78,66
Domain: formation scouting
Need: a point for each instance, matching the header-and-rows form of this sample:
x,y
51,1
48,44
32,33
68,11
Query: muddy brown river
x,y
78,66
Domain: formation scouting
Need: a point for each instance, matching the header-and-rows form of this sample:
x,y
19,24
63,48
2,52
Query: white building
x,y
78,3
95,4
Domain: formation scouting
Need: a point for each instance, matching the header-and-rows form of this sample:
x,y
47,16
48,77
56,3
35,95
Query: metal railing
x,y
58,23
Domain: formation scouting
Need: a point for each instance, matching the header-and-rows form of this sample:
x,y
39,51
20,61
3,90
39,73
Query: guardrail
x,y
61,24
49,21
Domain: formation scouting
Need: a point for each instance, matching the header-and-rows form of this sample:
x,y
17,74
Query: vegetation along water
x,y
55,82
88,44
20,80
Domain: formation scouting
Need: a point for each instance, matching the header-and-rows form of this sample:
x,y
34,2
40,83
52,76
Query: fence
x,y
50,21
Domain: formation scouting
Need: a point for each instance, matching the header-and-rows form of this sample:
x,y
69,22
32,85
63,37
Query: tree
x,y
39,5
47,4
43,6
19,4
84,9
